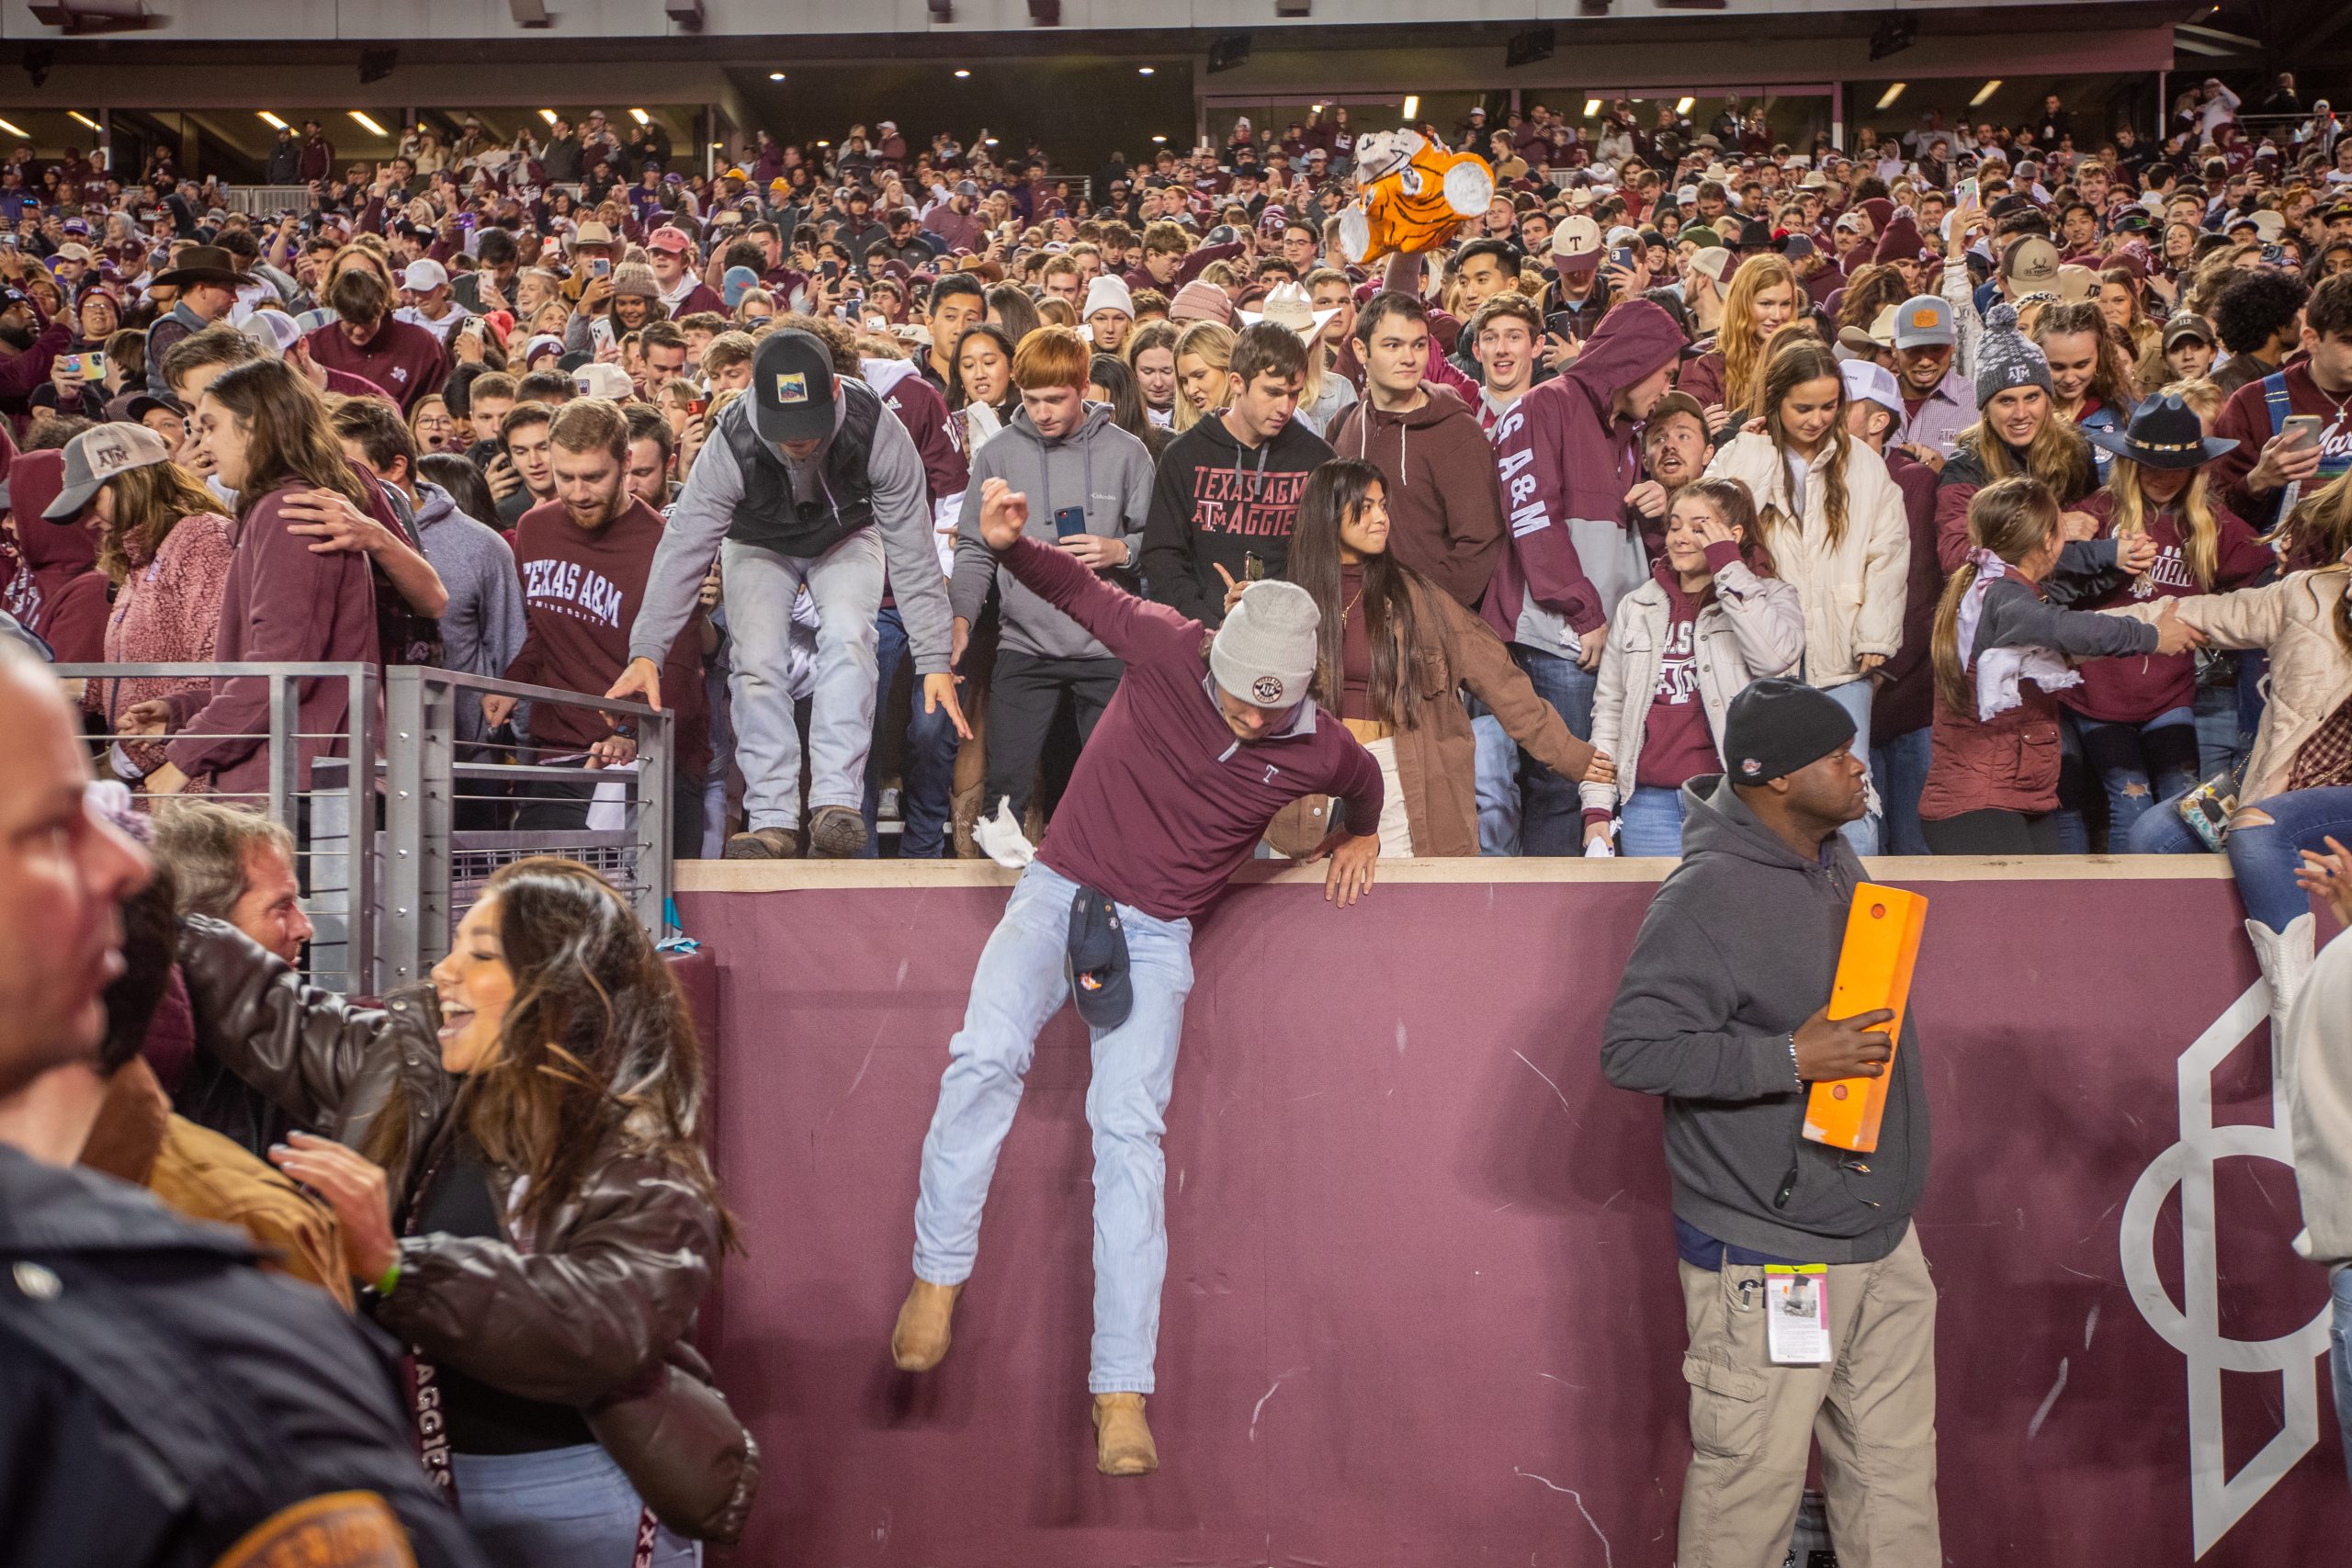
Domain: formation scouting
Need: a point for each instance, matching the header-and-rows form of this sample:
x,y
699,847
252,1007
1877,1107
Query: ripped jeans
x,y
2140,764
2265,846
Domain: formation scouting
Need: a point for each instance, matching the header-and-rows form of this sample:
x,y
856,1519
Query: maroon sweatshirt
x,y
66,605
1167,803
2245,419
1905,699
581,592
282,602
406,360
2135,690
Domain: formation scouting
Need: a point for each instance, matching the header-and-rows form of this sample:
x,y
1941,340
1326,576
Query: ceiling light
x,y
960,74
824,144
13,129
272,121
1412,106
86,119
640,116
1591,107
1160,139
1143,71
548,115
1683,105
1985,92
367,124
1894,90
775,75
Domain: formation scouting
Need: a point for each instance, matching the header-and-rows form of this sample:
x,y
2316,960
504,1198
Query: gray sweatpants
x,y
846,584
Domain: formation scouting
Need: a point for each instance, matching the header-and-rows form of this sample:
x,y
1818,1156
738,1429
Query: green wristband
x,y
391,1277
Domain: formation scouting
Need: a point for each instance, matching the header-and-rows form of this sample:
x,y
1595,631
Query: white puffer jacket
x,y
1854,591
1754,626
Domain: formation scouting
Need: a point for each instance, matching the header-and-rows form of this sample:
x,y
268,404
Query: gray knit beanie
x,y
2007,357
1265,651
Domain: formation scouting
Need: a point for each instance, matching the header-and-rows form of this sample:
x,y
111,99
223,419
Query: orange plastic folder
x,y
1873,972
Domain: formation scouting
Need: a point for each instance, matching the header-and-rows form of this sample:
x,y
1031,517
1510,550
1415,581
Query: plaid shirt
x,y
2325,759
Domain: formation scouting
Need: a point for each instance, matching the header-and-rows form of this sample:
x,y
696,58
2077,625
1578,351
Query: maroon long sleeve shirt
x,y
1167,803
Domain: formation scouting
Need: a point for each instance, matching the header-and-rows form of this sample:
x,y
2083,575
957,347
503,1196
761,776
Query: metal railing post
x,y
656,741
360,796
405,870
285,749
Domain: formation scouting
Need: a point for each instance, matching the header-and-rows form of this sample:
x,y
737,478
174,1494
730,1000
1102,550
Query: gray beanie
x,y
1265,651
2007,357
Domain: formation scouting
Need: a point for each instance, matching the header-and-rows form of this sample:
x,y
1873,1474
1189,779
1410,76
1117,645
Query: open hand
x,y
1353,857
2330,877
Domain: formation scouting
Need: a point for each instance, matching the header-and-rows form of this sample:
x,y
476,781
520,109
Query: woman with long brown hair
x,y
1834,521
514,1154
1393,651
2000,655
2090,378
2017,432
1765,296
267,437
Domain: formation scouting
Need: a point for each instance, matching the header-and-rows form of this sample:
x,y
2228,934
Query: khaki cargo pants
x,y
1753,1424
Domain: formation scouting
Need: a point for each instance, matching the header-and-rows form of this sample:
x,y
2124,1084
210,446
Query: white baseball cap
x,y
1867,381
423,275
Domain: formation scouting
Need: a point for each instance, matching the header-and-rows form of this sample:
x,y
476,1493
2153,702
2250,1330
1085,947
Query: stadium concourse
x,y
588,683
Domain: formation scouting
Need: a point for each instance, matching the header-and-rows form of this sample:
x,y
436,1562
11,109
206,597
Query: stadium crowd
x,y
2024,447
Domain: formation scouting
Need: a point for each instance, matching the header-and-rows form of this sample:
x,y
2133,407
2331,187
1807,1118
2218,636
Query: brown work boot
x,y
919,1341
1123,1444
764,843
836,832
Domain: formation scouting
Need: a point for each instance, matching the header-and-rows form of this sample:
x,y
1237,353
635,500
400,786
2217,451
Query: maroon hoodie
x,y
66,606
1564,458
1446,514
406,360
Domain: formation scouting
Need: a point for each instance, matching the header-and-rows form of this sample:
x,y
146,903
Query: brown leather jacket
x,y
598,1313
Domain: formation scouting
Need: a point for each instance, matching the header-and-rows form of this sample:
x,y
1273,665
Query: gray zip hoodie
x,y
1097,467
1739,949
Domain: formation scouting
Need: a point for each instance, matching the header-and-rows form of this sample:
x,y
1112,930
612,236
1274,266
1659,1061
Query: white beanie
x,y
1265,651
1108,293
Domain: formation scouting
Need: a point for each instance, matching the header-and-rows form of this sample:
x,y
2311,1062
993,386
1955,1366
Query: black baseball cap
x,y
1099,980
791,387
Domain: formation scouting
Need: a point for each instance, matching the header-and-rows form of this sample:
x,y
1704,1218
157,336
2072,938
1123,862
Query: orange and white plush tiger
x,y
1410,195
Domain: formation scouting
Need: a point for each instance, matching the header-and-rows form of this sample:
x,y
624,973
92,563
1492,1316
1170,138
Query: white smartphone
x,y
600,333
2301,430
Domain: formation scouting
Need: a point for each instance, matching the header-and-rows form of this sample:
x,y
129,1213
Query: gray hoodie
x,y
1739,949
1097,467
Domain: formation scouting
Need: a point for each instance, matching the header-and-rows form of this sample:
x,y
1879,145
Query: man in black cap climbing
x,y
810,483
1723,1012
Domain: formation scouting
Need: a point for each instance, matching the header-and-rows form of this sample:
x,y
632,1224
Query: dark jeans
x,y
1991,832
2263,856
561,805
1899,766
1023,700
2140,764
927,776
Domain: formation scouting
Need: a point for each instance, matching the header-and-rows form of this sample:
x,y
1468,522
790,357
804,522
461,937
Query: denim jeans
x,y
1855,697
2262,857
1899,764
1650,822
2339,1359
2223,741
1022,981
2139,764
1523,806
557,1508
846,584
928,777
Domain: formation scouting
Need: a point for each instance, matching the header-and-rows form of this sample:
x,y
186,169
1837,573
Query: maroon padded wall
x,y
1421,1305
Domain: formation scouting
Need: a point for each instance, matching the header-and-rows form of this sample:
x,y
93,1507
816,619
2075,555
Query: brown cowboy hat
x,y
203,264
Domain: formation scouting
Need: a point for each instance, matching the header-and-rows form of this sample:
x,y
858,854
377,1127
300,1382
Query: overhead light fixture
x,y
1684,105
548,115
775,75
1412,106
961,74
367,124
640,116
1160,139
86,119
1894,90
272,121
1985,92
1144,71
1591,107
13,129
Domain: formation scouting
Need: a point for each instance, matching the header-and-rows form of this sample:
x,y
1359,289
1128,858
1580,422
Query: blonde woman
x,y
1834,526
1728,380
1203,354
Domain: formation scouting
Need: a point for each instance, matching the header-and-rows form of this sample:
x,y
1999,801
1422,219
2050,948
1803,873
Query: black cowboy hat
x,y
2165,432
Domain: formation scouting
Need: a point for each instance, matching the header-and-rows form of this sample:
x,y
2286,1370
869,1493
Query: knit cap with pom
x,y
2007,357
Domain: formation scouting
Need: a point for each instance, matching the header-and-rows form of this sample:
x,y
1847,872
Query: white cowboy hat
x,y
1289,304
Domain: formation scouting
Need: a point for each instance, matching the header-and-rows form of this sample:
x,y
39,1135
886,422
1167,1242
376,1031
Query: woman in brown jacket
x,y
1395,650
514,1157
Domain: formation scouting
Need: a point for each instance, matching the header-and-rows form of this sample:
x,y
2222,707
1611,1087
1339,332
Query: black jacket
x,y
1216,502
164,1396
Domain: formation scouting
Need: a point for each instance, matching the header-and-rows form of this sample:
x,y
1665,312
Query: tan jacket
x,y
199,1175
2316,1065
1754,626
1437,760
1853,592
2310,672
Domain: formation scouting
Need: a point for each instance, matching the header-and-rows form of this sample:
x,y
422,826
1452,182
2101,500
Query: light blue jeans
x,y
1649,822
1855,696
2339,1358
2264,857
846,584
559,1508
1022,981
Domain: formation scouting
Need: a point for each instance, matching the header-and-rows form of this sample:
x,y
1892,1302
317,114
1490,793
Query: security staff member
x,y
808,482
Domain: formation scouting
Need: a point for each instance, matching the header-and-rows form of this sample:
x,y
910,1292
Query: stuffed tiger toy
x,y
1410,195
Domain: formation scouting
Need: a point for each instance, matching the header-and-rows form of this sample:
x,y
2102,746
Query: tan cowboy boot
x,y
919,1341
1123,1444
